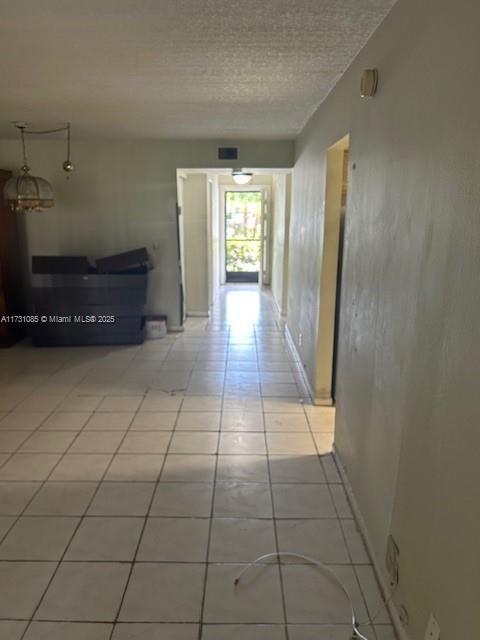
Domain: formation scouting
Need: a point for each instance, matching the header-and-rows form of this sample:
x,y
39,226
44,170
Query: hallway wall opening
x,y
336,185
230,233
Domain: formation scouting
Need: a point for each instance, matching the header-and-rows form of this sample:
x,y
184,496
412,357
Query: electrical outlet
x,y
433,629
392,561
300,336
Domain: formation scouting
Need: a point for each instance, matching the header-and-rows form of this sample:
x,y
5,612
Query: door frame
x,y
329,298
265,190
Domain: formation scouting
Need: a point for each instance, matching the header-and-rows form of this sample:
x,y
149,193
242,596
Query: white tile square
x,y
120,403
80,466
163,631
105,539
164,593
243,632
322,539
296,468
14,496
290,444
10,441
234,468
302,501
189,468
22,585
48,442
198,421
62,499
97,442
240,540
145,442
161,402
84,591
23,421
153,421
122,499
194,442
311,596
242,443
182,499
286,422
242,421
237,500
256,599
109,421
68,631
174,540
29,466
66,421
43,538
202,403
135,467
12,629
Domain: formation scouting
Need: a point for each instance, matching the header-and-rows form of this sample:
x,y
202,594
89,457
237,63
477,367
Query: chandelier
x,y
32,193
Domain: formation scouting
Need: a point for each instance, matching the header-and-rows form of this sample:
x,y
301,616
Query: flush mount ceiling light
x,y
241,177
32,193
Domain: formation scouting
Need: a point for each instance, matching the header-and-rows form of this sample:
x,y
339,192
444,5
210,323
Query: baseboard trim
x,y
198,314
175,329
298,360
399,628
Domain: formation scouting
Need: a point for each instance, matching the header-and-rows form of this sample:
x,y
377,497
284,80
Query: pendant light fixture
x,y
241,177
32,193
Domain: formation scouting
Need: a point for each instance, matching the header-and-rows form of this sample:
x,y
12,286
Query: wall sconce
x,y
369,83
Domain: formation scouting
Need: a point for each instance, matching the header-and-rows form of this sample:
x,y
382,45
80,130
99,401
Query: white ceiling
x,y
177,68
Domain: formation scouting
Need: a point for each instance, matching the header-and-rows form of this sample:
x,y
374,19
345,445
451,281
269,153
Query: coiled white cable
x,y
320,565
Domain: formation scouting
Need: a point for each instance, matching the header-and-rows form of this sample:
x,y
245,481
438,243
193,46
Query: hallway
x,y
137,482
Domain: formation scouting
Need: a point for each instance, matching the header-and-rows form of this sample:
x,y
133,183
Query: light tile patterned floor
x,y
136,482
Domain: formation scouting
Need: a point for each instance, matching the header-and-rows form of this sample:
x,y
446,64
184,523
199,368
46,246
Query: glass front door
x,y
243,235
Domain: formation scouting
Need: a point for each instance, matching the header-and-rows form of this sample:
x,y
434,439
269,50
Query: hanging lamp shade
x,y
28,193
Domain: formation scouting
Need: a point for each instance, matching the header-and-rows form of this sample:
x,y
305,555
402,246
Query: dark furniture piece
x,y
11,302
87,308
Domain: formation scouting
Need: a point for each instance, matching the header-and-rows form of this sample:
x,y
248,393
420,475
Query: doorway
x,y
243,235
329,313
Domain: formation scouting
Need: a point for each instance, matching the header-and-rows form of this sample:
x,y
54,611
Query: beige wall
x,y
409,372
122,195
195,224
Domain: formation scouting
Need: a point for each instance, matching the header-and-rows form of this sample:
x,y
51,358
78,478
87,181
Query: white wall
x,y
122,195
215,237
408,377
195,224
280,234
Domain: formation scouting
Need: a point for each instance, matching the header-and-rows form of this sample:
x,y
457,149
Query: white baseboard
x,y
399,628
198,314
175,329
298,360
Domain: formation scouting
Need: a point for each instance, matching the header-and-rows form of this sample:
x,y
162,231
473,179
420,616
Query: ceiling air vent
x,y
228,153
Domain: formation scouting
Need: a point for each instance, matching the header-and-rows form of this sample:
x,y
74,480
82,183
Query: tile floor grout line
x,y
212,514
146,517
275,529
41,486
80,521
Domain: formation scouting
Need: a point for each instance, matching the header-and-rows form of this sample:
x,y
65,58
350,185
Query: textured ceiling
x,y
177,68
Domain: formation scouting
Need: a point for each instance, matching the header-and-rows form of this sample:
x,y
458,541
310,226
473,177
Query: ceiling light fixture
x,y
32,193
241,177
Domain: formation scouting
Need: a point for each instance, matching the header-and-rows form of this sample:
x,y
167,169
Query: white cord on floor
x,y
320,565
